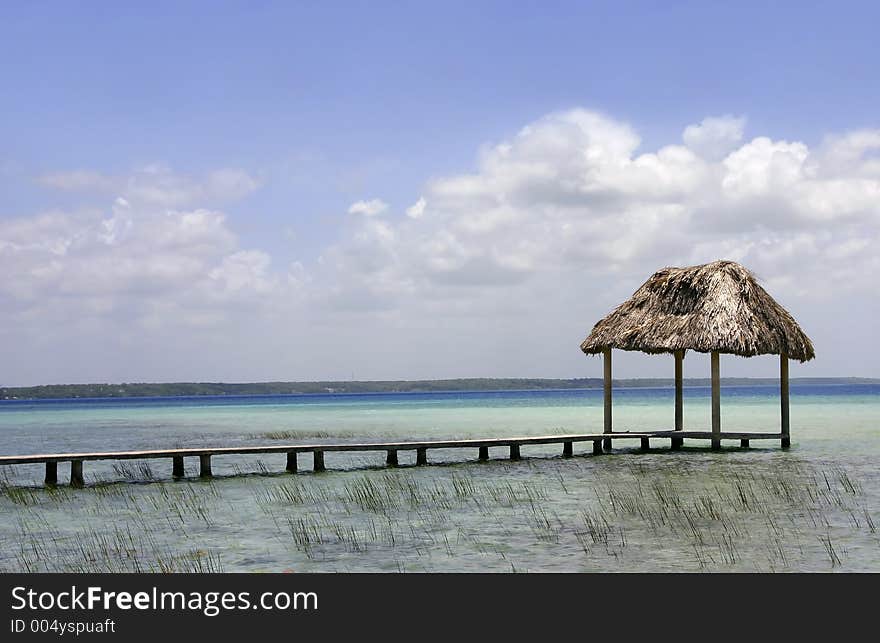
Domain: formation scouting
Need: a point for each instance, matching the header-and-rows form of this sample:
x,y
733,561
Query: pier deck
x,y
601,442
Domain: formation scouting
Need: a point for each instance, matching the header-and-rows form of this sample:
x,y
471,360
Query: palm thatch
x,y
717,306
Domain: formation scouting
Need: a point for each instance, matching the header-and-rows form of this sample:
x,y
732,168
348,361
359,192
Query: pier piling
x,y
177,466
51,474
76,473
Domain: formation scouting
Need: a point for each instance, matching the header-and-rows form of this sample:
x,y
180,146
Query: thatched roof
x,y
717,306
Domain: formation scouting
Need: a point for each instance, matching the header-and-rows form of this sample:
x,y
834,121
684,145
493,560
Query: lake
x,y
813,507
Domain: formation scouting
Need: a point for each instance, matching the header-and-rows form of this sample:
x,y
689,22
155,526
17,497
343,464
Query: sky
x,y
256,191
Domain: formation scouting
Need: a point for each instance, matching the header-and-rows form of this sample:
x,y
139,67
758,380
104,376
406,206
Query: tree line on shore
x,y
182,389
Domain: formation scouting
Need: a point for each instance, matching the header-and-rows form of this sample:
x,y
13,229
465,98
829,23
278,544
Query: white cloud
x,y
368,208
245,271
137,264
417,209
122,253
764,166
847,154
570,195
501,267
714,136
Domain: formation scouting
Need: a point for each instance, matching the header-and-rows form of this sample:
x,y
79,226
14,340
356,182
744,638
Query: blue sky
x,y
310,108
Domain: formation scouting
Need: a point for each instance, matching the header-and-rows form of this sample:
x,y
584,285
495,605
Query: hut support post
x,y
291,462
318,461
606,356
421,456
716,402
783,396
484,453
205,466
514,452
567,449
679,399
177,466
391,458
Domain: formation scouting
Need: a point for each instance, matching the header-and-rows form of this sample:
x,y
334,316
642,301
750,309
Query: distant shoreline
x,y
188,389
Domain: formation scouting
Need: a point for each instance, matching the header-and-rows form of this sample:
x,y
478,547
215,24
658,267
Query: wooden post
x,y
716,402
567,449
744,443
391,458
177,466
783,396
679,398
606,356
291,462
319,461
421,456
51,474
76,473
205,466
597,447
646,444
484,453
514,452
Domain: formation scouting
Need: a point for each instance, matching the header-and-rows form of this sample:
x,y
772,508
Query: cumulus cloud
x,y
135,264
570,194
368,208
417,209
714,136
516,257
763,167
126,253
245,271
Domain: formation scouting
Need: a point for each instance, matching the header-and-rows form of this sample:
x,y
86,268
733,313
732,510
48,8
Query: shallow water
x,y
813,507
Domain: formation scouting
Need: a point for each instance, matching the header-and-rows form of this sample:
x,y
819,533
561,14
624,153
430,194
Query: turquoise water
x,y
813,507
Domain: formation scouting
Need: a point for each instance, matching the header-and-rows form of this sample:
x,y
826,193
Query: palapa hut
x,y
714,308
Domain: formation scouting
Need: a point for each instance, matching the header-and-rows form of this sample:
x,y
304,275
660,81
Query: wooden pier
x,y
601,442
